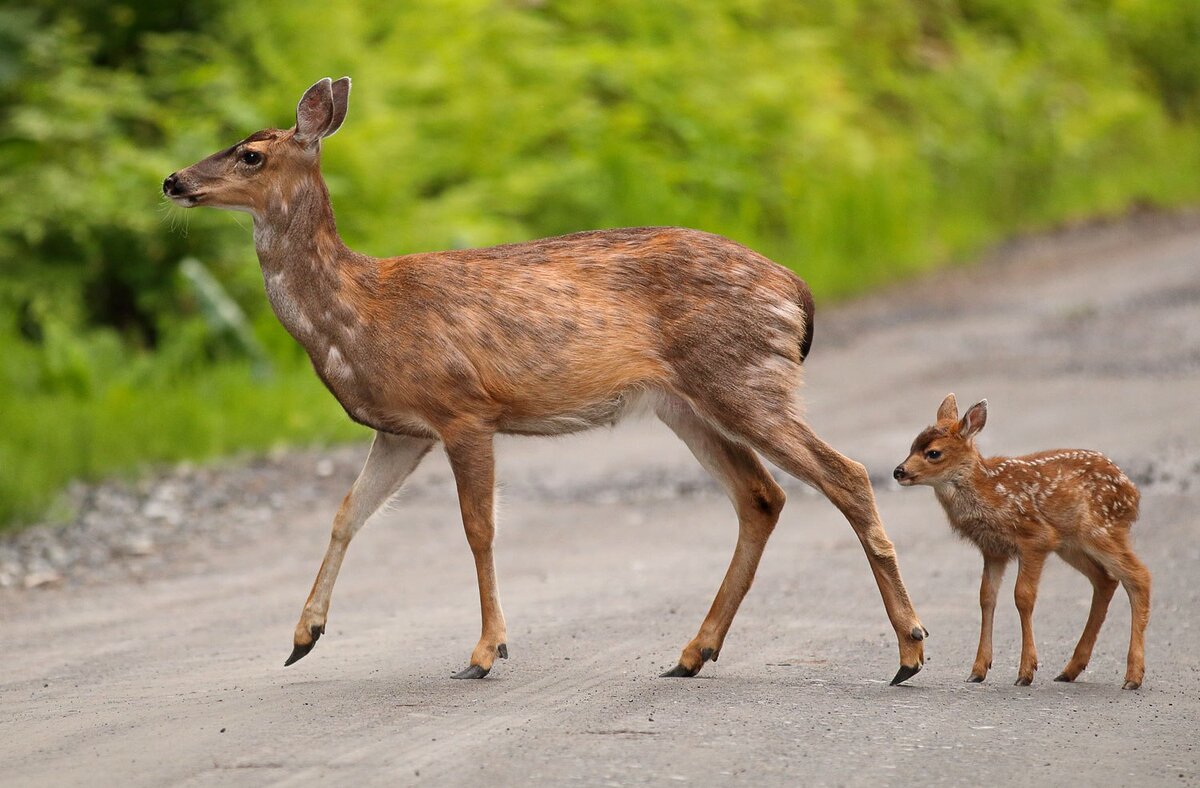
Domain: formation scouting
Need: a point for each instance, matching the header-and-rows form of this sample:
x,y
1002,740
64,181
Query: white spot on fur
x,y
336,365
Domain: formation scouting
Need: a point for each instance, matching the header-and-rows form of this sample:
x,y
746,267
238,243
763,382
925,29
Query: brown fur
x,y
1068,501
544,337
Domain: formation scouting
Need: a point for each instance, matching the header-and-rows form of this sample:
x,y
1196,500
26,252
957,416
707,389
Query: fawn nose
x,y
899,473
171,185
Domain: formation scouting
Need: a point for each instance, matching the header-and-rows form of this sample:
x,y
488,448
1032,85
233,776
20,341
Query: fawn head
x,y
945,450
256,173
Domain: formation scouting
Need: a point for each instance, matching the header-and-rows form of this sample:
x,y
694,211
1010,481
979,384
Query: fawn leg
x,y
1103,586
989,585
788,442
472,460
1030,571
756,498
1135,577
391,460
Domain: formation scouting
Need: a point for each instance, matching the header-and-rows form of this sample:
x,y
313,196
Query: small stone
x,y
325,468
43,579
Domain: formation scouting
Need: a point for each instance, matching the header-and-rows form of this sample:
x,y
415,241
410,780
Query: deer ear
x,y
341,103
948,409
314,112
974,420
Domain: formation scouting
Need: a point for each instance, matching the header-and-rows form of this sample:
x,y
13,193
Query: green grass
x,y
855,141
122,428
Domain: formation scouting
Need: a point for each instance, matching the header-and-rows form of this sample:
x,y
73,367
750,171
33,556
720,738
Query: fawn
x,y
540,338
1072,502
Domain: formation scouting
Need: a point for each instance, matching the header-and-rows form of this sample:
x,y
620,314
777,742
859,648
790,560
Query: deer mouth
x,y
186,200
180,193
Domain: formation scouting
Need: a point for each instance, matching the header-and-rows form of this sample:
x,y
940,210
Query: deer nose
x,y
171,185
899,473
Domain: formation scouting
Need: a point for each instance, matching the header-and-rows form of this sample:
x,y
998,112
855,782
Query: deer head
x,y
944,451
262,172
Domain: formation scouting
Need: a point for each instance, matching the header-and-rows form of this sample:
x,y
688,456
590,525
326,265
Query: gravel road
x,y
144,641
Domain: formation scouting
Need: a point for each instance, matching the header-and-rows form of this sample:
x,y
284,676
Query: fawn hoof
x,y
1023,681
502,651
472,672
679,672
1131,685
905,673
975,678
300,650
1064,677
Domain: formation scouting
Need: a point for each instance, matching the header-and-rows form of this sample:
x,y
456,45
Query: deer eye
x,y
251,157
932,454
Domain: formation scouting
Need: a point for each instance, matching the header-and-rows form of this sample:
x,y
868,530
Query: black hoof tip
x,y
919,633
1131,685
975,678
905,673
299,652
678,672
1063,677
707,653
1022,682
502,650
472,672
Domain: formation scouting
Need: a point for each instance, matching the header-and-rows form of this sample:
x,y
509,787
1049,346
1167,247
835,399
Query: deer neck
x,y
960,492
314,282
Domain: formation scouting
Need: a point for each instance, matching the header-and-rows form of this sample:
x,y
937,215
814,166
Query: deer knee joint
x,y
879,545
768,501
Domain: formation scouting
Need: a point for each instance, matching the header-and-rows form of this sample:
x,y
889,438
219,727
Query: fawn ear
x,y
948,409
973,421
341,103
314,112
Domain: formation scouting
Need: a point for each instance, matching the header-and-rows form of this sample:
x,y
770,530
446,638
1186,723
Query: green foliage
x,y
853,140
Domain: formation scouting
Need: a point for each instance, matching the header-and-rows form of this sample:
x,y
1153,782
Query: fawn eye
x,y
251,157
932,454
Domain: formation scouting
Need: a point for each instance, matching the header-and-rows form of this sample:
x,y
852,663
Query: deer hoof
x,y
300,650
905,673
472,672
975,678
679,672
919,633
1131,685
1023,681
1064,677
502,651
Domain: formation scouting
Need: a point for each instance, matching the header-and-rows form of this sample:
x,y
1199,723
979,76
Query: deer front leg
x,y
1030,572
989,585
391,460
472,461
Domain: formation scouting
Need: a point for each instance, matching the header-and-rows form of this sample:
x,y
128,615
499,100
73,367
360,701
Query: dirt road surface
x,y
611,546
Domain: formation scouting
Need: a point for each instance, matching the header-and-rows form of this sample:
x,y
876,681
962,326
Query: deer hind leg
x,y
391,460
1103,587
1135,577
989,586
472,460
1025,595
787,441
758,501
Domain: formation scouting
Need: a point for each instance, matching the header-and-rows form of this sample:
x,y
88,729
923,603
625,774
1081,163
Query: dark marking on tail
x,y
805,300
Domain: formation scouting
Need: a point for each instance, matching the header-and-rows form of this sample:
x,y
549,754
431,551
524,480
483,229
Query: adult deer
x,y
540,338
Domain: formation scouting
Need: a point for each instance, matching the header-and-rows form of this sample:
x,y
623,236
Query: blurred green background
x,y
856,141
